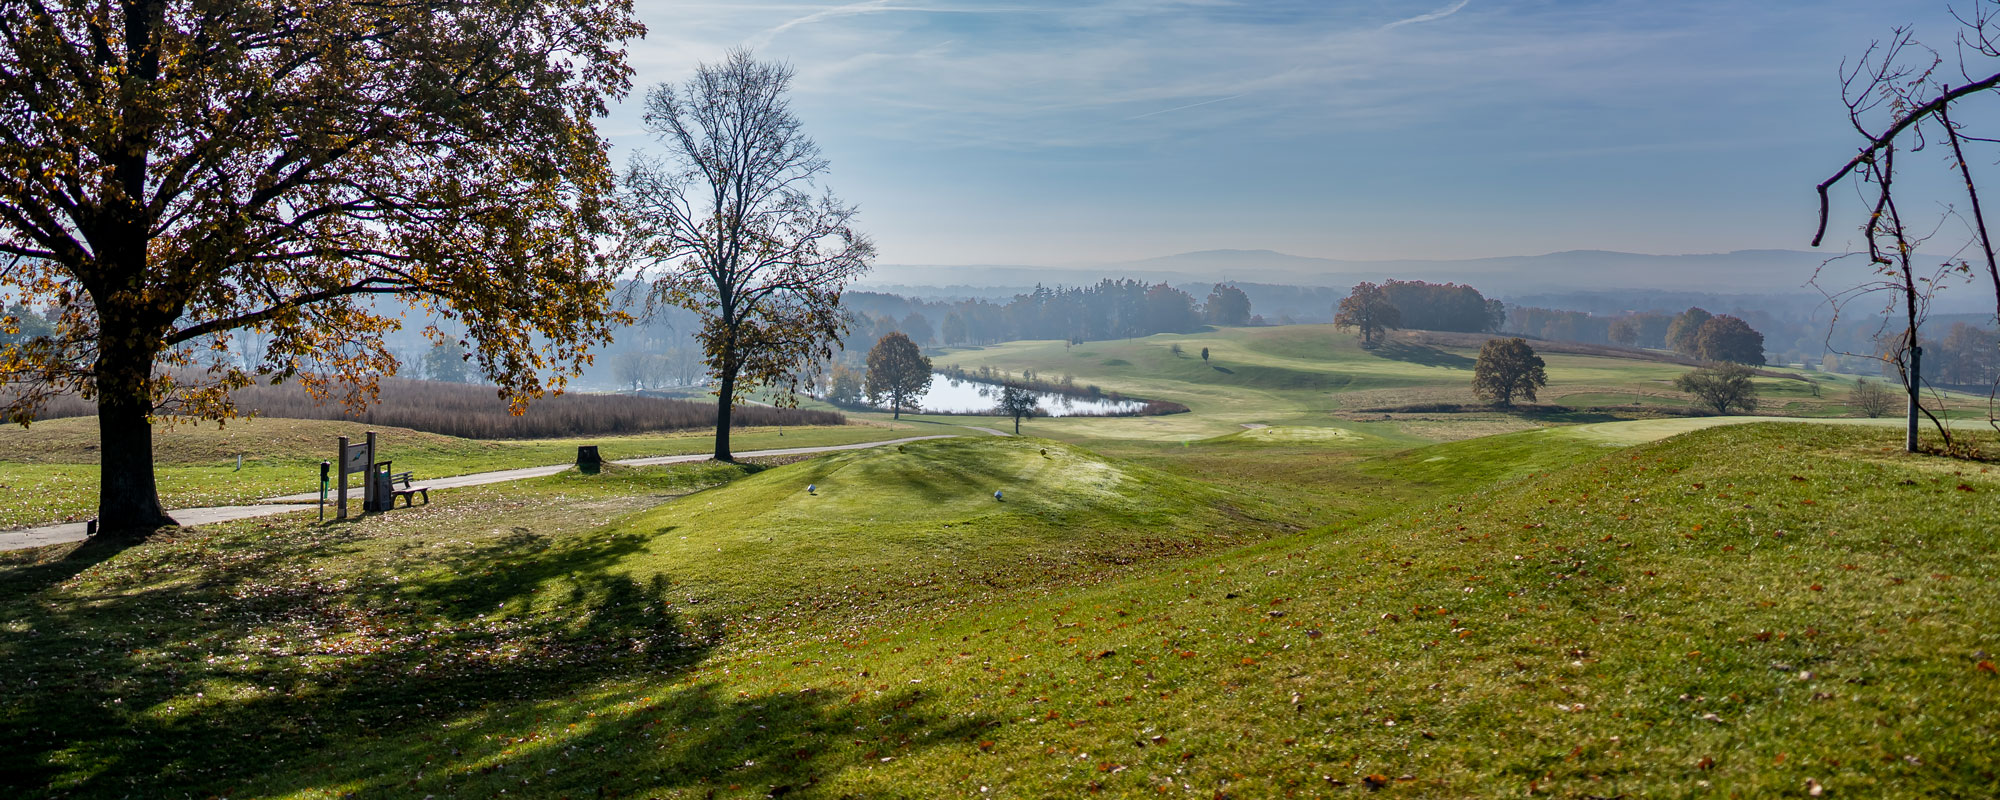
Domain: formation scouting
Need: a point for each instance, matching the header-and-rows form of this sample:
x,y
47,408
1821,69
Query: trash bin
x,y
587,461
383,492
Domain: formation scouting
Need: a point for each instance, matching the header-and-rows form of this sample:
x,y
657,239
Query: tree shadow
x,y
196,669
1567,415
1421,354
774,745
45,567
1222,369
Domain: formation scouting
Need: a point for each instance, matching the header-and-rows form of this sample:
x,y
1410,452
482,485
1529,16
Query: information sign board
x,y
355,459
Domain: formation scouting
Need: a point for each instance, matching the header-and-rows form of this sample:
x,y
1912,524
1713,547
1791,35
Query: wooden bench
x,y
408,492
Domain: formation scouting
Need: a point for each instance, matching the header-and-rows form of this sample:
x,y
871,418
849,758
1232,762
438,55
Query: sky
x,y
1095,131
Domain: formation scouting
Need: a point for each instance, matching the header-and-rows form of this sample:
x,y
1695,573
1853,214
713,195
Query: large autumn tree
x,y
1368,308
898,373
730,227
172,171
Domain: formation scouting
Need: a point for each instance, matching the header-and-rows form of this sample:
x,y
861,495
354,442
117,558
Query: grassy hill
x,y
1318,375
916,525
1743,610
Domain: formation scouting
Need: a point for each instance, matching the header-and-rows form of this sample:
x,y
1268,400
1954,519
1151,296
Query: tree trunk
x,y
128,499
725,401
1916,364
1017,426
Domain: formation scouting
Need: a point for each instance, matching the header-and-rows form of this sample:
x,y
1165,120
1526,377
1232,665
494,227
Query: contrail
x,y
1435,15
1182,108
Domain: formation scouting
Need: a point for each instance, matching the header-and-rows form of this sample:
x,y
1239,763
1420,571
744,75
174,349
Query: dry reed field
x,y
478,412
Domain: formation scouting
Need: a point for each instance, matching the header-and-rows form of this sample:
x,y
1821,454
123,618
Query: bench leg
x,y
427,496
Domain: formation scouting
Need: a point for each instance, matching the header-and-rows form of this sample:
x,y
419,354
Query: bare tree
x,y
730,228
1899,102
1869,398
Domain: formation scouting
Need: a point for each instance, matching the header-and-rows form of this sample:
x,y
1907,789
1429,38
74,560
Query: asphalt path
x,y
22,538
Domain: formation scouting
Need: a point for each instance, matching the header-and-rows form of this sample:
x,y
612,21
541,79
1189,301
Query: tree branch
x,y
1877,142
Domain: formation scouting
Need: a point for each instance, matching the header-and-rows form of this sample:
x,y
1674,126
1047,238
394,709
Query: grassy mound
x,y
1752,610
905,526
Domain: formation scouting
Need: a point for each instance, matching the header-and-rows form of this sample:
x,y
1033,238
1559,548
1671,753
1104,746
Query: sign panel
x,y
355,459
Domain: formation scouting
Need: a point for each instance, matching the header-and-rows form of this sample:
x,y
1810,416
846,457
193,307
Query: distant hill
x,y
1742,271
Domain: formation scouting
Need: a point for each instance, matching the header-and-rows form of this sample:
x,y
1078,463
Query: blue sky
x,y
1030,132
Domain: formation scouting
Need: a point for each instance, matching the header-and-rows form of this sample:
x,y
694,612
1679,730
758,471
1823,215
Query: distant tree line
x,y
1444,307
1968,355
1109,309
1372,309
1695,333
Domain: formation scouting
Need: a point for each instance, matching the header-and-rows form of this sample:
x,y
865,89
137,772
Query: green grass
x,y
918,525
1308,375
48,472
1733,611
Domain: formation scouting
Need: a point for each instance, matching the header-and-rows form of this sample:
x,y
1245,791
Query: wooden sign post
x,y
369,502
354,458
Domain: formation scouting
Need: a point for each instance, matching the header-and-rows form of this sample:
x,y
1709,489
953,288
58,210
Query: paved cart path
x,y
22,538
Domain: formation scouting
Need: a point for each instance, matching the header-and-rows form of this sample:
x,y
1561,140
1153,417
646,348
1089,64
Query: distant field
x,y
478,412
1317,375
48,472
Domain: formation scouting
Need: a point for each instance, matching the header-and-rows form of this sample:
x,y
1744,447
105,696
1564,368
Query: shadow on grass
x,y
1222,369
197,666
1421,354
34,575
697,736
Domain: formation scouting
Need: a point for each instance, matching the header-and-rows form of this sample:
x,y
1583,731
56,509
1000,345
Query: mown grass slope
x,y
1749,610
1320,375
918,524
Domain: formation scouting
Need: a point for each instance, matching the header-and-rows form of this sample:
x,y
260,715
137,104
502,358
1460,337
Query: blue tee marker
x,y
809,488
996,495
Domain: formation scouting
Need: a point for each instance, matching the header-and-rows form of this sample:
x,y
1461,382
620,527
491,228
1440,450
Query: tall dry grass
x,y
476,412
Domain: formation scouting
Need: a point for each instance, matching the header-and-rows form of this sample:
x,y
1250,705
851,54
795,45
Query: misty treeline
x,y
1960,349
478,412
1452,307
1109,309
1695,332
1966,356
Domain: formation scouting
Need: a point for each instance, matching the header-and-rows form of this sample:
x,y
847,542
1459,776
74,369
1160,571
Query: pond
x,y
949,396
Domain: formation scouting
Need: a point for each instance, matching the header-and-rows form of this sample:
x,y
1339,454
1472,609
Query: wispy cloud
x,y
1183,108
859,9
1022,98
1431,17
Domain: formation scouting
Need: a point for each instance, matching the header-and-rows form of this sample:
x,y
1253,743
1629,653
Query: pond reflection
x,y
951,396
